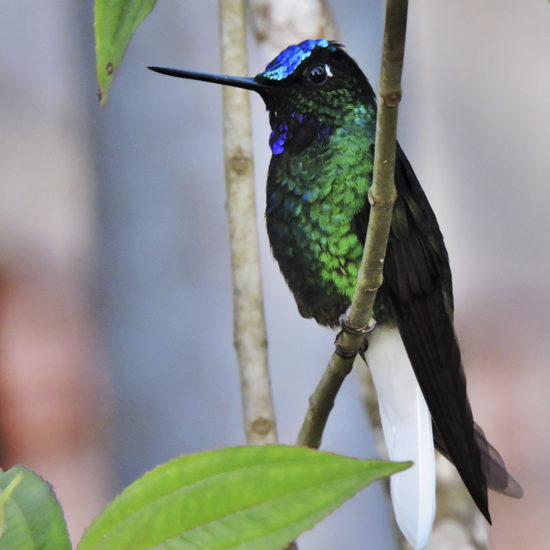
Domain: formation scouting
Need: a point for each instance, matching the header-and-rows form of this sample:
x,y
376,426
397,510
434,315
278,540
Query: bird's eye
x,y
318,74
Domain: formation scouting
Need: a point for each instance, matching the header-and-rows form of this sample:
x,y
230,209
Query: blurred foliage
x,y
115,23
33,519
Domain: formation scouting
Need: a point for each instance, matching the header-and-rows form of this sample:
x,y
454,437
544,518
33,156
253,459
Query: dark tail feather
x,y
497,476
417,281
430,342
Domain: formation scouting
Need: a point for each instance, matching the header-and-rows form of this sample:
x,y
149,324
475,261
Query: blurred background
x,y
114,249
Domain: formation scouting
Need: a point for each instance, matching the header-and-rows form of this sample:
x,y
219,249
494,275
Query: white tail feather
x,y
407,426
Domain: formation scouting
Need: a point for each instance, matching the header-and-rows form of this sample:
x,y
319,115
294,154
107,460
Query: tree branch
x,y
465,527
381,197
249,324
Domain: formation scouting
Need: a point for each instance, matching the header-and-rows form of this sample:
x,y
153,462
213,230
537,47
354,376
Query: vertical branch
x,y
382,193
249,325
381,197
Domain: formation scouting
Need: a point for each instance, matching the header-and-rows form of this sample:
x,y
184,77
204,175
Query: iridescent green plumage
x,y
318,181
312,200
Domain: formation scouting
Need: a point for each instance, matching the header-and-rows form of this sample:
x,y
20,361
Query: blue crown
x,y
287,61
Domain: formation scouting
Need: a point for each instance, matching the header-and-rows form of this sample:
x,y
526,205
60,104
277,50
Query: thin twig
x,y
249,325
465,527
322,401
381,197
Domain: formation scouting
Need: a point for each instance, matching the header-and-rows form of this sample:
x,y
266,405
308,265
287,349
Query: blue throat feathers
x,y
295,132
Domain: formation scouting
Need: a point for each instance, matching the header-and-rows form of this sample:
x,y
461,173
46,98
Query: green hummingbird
x,y
322,112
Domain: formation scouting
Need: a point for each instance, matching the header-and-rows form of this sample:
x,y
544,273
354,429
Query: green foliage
x,y
32,517
251,498
115,23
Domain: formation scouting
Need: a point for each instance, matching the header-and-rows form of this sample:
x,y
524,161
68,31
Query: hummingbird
x,y
322,113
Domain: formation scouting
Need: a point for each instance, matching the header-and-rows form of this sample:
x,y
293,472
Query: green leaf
x,y
251,498
115,23
5,495
33,518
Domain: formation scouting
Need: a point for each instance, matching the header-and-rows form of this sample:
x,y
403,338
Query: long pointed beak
x,y
236,81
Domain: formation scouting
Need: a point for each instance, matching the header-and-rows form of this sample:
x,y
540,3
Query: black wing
x,y
418,290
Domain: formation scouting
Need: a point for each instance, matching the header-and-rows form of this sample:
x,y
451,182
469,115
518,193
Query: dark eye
x,y
318,74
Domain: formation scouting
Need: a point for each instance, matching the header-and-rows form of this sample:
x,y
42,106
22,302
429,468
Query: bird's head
x,y
314,82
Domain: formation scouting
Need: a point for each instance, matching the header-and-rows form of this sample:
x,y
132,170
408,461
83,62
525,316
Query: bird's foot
x,y
363,331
